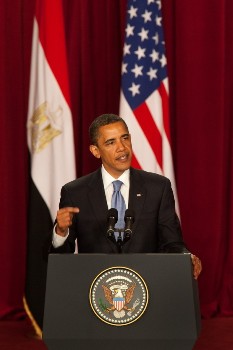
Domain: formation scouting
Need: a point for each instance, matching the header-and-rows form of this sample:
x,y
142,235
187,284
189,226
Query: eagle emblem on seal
x,y
119,296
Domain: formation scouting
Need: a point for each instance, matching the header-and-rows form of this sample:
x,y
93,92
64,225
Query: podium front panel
x,y
170,321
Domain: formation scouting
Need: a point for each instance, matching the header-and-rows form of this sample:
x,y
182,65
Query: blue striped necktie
x,y
118,202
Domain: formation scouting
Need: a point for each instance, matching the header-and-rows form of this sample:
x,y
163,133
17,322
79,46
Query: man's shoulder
x,y
148,176
83,180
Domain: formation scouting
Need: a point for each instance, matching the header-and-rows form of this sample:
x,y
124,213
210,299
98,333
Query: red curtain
x,y
200,64
200,48
13,154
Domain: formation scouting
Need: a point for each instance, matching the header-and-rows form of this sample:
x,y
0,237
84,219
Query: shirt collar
x,y
108,179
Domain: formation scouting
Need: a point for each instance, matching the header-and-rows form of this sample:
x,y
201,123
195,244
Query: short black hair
x,y
102,120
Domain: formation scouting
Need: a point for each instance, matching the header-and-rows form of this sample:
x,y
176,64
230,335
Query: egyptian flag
x,y
50,142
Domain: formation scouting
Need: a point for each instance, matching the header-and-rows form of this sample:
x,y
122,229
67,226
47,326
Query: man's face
x,y
114,148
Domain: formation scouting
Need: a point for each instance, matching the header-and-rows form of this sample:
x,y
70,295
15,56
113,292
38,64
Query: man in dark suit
x,y
85,202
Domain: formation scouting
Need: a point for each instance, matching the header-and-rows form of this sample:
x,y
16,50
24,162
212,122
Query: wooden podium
x,y
170,319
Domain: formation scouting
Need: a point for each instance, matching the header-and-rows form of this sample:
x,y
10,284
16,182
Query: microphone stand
x,y
123,237
120,241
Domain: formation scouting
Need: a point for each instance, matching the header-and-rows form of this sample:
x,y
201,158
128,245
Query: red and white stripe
x,y
119,303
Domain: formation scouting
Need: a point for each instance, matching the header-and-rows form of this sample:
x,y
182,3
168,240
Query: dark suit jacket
x,y
156,227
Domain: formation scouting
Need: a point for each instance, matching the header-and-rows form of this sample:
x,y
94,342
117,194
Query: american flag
x,y
144,94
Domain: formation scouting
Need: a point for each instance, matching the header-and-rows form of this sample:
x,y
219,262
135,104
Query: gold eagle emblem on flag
x,y
44,126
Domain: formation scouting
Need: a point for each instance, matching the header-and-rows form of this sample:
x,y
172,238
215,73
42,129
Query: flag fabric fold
x,y
50,140
144,97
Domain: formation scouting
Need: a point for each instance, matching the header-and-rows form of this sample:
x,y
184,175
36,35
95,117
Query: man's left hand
x,y
197,266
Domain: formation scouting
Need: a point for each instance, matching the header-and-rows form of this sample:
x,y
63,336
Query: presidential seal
x,y
118,296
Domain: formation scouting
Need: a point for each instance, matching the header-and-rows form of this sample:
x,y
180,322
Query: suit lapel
x,y
97,200
137,197
97,196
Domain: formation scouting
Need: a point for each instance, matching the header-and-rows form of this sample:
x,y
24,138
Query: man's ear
x,y
95,151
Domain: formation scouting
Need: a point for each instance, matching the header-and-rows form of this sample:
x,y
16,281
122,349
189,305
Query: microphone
x,y
129,220
112,218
